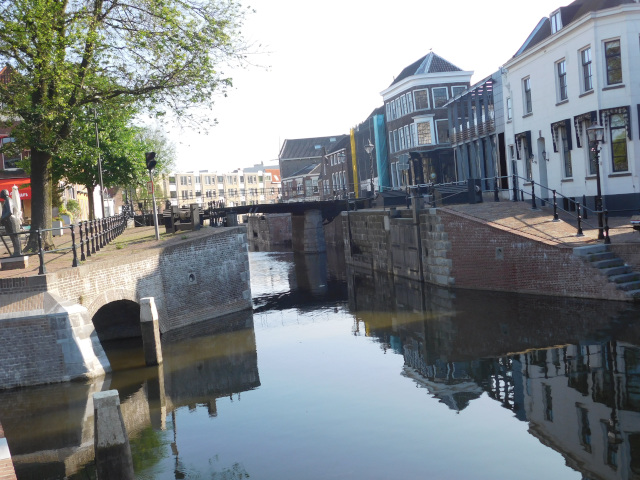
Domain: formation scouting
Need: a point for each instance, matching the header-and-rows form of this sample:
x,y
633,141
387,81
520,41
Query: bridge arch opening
x,y
118,327
118,320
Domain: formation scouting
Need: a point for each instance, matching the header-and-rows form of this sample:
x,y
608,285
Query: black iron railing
x,y
93,236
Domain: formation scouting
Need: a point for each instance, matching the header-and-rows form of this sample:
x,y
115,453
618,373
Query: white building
x,y
578,66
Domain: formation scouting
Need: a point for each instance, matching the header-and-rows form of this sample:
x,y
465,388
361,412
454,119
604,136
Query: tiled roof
x,y
568,14
306,170
344,142
307,147
430,63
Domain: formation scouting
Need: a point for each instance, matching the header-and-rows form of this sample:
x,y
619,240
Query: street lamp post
x,y
596,137
150,159
369,149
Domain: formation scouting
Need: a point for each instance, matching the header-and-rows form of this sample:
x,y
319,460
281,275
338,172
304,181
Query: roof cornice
x,y
426,79
569,29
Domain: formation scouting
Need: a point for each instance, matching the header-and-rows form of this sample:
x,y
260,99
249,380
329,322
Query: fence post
x,y
555,207
82,257
74,263
607,239
42,270
584,204
579,209
515,188
496,197
533,196
93,237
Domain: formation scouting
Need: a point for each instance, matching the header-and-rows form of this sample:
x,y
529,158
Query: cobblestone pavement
x,y
519,217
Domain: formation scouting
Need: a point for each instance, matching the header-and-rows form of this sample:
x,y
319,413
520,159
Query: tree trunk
x,y
41,190
92,208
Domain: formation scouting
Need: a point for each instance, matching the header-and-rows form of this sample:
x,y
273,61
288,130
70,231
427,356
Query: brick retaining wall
x,y
462,251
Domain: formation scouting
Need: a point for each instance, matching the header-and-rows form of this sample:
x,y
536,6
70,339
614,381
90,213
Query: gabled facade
x,y
336,173
578,66
417,121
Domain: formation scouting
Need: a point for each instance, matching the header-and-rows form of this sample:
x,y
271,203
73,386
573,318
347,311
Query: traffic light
x,y
150,158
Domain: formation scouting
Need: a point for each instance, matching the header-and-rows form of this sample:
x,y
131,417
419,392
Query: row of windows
x,y
230,179
617,140
613,65
418,100
418,134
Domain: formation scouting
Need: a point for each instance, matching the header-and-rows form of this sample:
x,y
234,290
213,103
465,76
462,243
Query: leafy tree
x,y
104,133
64,56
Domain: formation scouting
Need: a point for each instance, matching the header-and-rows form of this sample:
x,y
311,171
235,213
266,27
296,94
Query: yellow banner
x,y
354,163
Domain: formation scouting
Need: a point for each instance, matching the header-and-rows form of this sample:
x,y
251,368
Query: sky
x,y
320,67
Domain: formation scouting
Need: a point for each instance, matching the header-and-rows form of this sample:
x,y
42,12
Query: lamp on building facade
x,y
369,149
596,137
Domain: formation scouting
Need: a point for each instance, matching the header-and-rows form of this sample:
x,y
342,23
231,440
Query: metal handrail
x,y
97,234
581,209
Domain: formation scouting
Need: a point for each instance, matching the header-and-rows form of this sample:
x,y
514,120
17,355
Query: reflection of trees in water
x,y
54,438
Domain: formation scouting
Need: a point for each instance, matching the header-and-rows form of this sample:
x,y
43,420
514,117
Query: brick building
x,y
417,120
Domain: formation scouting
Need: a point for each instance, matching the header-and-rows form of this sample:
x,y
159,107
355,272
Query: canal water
x,y
349,375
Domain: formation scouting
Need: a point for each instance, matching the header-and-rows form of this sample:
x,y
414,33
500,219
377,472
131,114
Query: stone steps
x,y
622,275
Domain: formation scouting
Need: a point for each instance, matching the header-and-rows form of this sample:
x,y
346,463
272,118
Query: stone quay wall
x,y
269,231
46,329
450,249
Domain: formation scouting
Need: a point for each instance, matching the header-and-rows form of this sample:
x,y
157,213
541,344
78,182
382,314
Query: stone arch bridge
x,y
46,329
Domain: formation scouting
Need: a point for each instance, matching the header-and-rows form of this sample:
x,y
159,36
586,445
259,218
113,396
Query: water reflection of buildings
x,y
49,429
575,380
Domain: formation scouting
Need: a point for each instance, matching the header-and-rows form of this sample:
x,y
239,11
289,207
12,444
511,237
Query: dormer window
x,y
556,22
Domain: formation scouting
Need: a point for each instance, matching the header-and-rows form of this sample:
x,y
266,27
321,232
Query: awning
x,y
24,186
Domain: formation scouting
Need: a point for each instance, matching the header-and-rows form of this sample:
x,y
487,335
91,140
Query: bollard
x,y
150,331
110,441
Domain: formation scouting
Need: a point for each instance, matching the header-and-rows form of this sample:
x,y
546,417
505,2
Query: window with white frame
x,y
401,136
556,21
526,92
561,80
618,128
442,130
403,103
409,97
509,109
407,137
455,90
388,107
421,99
565,151
396,142
613,61
424,133
440,96
587,73
391,149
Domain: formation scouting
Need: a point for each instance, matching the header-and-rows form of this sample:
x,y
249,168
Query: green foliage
x,y
147,449
73,207
64,58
